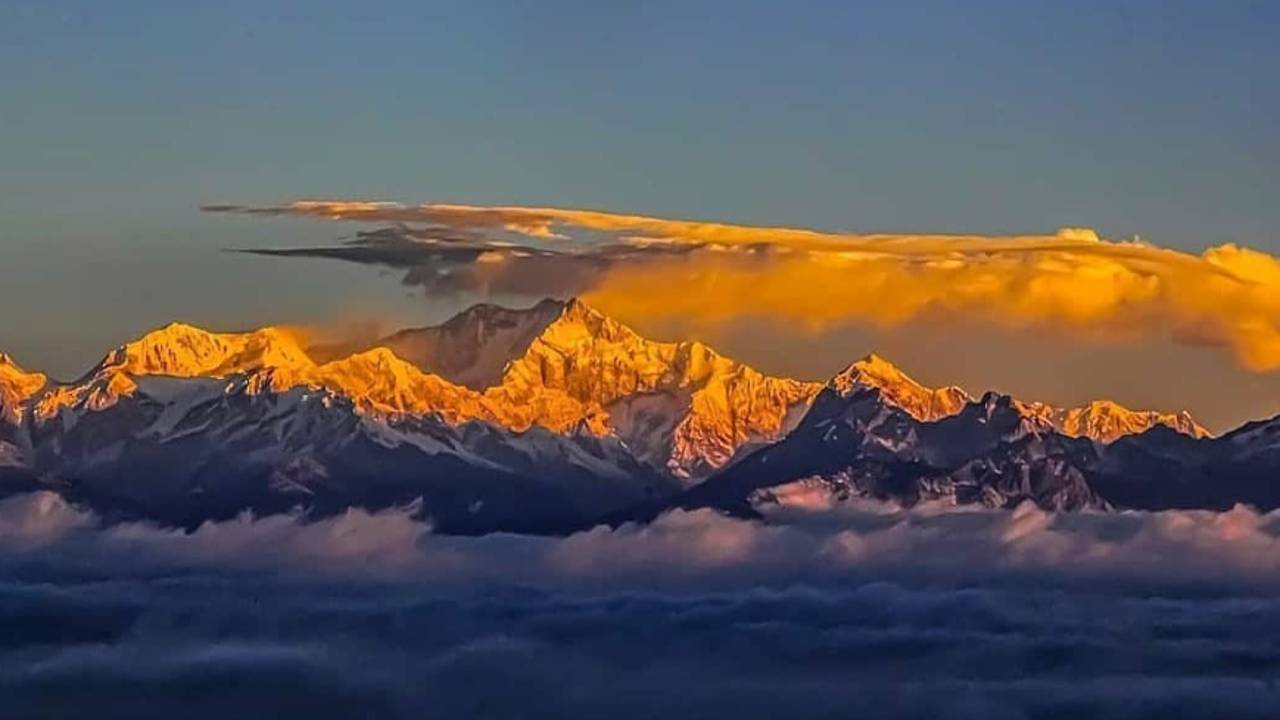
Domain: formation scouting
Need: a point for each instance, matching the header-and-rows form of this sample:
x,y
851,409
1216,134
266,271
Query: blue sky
x,y
120,119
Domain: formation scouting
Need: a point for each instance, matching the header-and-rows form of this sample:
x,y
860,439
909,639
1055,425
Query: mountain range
x,y
556,417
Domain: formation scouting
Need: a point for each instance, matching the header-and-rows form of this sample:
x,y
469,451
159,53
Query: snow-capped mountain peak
x,y
16,386
1101,420
178,350
677,404
181,350
378,381
1107,421
900,389
473,347
13,376
568,367
578,321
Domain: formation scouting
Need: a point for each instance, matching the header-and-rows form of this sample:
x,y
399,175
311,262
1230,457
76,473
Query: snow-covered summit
x,y
181,350
900,389
679,404
1107,421
1101,420
16,386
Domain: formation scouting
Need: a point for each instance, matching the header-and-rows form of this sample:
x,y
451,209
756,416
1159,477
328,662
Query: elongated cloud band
x,y
704,273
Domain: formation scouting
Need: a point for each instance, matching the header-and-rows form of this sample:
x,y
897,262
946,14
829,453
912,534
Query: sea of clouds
x,y
821,610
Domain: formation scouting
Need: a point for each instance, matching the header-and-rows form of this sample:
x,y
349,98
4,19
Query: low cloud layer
x,y
1071,281
702,550
823,611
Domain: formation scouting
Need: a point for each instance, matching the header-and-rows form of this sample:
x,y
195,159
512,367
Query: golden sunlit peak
x,y
872,370
378,355
577,308
874,362
1081,234
183,350
12,374
1102,420
1106,420
578,322
898,388
16,386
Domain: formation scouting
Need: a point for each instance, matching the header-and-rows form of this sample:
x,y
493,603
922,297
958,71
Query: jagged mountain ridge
x,y
270,359
473,347
1106,421
184,450
184,425
992,452
1100,420
679,405
647,410
586,417
899,389
564,366
861,443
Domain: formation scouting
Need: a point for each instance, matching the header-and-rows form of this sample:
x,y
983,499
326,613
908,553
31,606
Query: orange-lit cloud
x,y
706,274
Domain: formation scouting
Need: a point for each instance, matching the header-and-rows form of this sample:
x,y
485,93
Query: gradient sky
x,y
119,119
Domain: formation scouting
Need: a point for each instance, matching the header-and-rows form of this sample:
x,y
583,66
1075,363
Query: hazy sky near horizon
x,y
117,121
